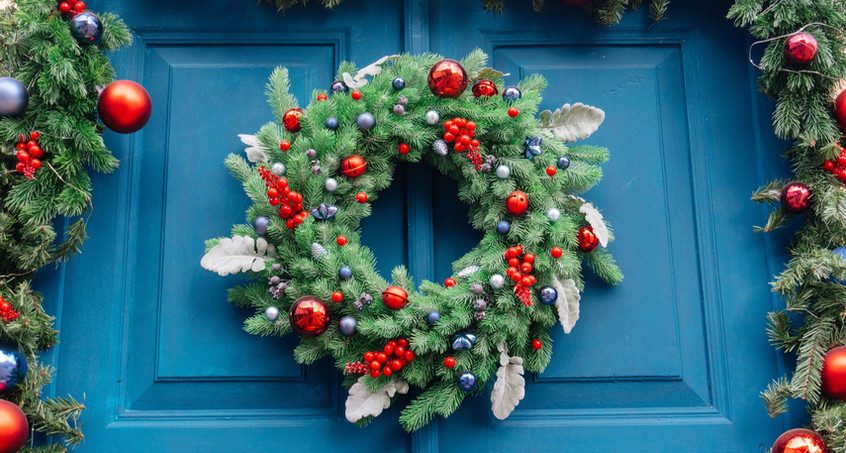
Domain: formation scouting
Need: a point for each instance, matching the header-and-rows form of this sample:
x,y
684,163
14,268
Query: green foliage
x,y
62,78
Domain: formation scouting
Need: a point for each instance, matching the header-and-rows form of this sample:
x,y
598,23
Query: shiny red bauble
x,y
13,427
450,282
485,88
796,197
449,362
536,344
342,240
556,252
291,120
353,166
361,197
394,297
125,106
517,203
800,49
447,79
587,239
840,110
834,373
800,441
309,316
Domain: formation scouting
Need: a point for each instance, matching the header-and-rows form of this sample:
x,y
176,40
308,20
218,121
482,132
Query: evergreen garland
x,y
813,321
62,79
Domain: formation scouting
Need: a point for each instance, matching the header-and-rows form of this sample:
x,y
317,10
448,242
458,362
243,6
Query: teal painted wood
x,y
672,360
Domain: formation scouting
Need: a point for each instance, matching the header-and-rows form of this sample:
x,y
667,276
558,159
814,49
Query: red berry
x,y
536,344
20,167
272,192
36,151
388,349
526,268
396,365
322,97
513,262
79,7
392,343
20,146
369,356
273,201
374,365
464,140
64,7
403,148
387,371
460,122
474,143
449,138
841,160
551,171
828,166
357,95
298,219
337,297
34,135
31,143
449,362
511,253
361,197
374,373
409,356
459,147
529,258
516,276
381,357
471,126
527,282
282,183
402,342
290,224
399,351
511,270
454,130
285,145
448,125
36,164
4,306
342,240
512,112
286,211
532,280
449,283
556,252
23,156
519,249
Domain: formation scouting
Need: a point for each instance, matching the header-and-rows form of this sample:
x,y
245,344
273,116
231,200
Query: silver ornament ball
x,y
13,97
271,313
553,214
347,326
497,281
503,171
331,184
278,169
432,117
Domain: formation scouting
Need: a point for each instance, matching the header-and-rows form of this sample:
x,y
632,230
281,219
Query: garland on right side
x,y
801,69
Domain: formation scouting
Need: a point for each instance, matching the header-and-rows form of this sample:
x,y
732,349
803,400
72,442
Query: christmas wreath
x,y
316,171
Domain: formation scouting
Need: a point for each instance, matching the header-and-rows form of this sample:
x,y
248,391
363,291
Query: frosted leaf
x,y
571,123
467,271
594,218
254,152
361,402
238,254
567,302
488,73
371,70
510,387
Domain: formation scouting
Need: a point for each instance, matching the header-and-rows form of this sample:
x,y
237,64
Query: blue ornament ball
x,y
271,313
332,123
260,225
347,326
339,86
86,28
512,94
503,227
548,295
345,273
467,381
365,121
12,368
13,97
563,162
398,83
433,317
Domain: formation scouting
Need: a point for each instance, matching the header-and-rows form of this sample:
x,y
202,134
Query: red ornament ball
x,y
13,427
834,373
800,441
840,110
356,95
796,197
447,79
342,240
551,171
517,203
285,145
291,120
309,316
125,106
513,112
322,97
449,283
587,239
337,297
800,48
536,344
353,166
485,88
361,197
404,148
449,362
394,297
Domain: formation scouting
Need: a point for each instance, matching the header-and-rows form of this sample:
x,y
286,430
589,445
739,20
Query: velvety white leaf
x,y
371,70
254,152
350,81
571,123
594,218
238,254
4,4
510,387
567,302
361,402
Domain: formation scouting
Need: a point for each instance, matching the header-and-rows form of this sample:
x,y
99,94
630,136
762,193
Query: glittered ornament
x,y
260,225
331,123
432,117
278,168
840,110
503,227
484,88
503,171
318,251
124,106
563,163
512,94
271,313
345,273
800,49
440,147
447,79
517,203
587,239
339,86
467,381
347,326
86,28
497,281
365,121
834,373
13,368
800,440
433,317
14,427
394,297
291,120
331,184
13,97
548,295
795,197
353,166
309,316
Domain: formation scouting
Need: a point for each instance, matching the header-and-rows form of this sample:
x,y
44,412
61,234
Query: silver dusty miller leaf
x,y
571,123
361,402
594,218
373,69
238,254
567,302
254,151
488,73
510,386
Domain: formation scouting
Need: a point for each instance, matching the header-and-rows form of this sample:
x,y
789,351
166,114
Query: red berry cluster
x,y
519,271
392,358
460,132
838,167
8,313
28,154
278,193
71,7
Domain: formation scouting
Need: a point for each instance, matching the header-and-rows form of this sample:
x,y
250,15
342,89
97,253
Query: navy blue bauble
x,y
345,273
260,225
433,317
86,28
347,326
503,227
12,368
467,381
398,83
512,94
13,97
548,295
563,163
365,121
331,123
339,86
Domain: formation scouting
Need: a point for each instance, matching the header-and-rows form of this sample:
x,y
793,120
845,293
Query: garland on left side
x,y
52,70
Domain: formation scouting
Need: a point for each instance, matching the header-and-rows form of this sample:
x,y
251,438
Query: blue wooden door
x,y
671,360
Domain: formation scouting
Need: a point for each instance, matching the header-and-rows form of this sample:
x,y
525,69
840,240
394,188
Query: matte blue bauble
x,y
86,28
563,163
347,326
365,121
467,381
433,317
339,86
260,225
12,368
332,123
548,295
512,94
345,273
398,83
13,97
503,227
